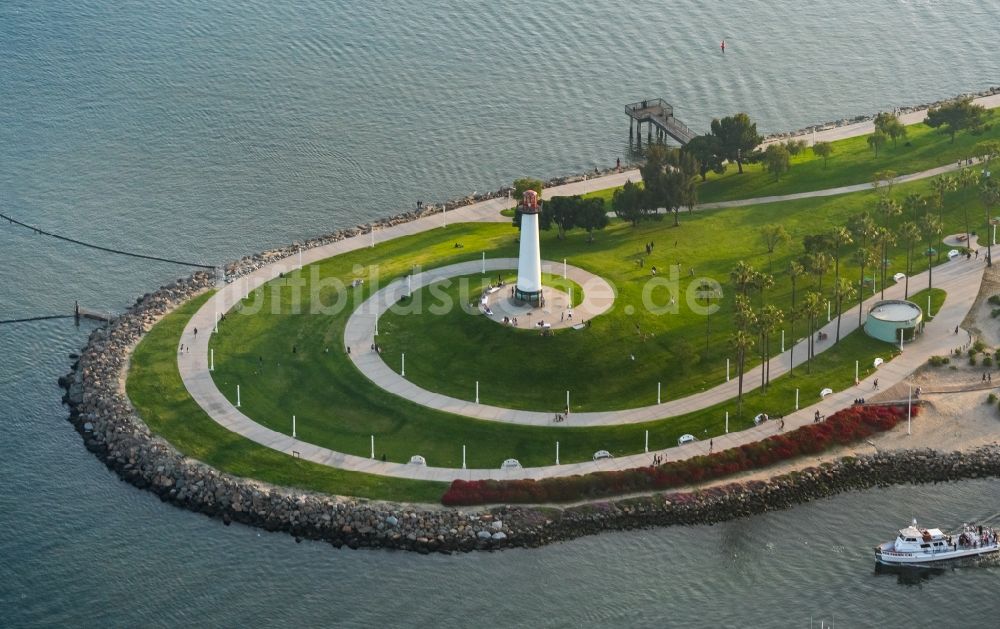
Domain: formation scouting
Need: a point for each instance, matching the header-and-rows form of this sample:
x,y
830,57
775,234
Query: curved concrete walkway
x,y
359,335
959,277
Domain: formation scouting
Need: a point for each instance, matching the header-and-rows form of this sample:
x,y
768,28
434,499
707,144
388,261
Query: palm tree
x,y
883,239
942,185
742,341
845,291
769,320
909,233
812,307
863,257
861,227
913,203
965,179
795,271
818,263
990,194
762,282
839,236
742,277
930,227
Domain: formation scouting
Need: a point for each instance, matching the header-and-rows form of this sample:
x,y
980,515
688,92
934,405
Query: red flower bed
x,y
841,428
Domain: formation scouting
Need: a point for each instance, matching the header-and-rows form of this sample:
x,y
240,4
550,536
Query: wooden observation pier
x,y
658,114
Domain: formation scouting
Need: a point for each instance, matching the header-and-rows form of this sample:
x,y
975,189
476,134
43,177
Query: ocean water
x,y
206,130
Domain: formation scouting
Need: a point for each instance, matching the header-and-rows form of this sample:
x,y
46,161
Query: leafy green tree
x,y
960,114
707,151
988,151
738,137
627,203
777,160
890,125
824,150
562,212
591,216
876,141
772,236
795,147
883,180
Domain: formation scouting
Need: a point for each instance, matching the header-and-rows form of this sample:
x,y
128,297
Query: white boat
x,y
915,545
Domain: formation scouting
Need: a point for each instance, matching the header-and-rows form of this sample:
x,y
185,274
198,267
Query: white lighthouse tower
x,y
529,261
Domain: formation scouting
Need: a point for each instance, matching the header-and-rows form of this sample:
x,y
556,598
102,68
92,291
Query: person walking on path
x,y
875,385
711,445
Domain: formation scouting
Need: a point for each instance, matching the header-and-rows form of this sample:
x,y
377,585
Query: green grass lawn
x,y
852,162
937,300
285,348
671,348
155,388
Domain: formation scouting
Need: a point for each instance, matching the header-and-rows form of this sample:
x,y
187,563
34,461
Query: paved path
x,y
360,328
959,277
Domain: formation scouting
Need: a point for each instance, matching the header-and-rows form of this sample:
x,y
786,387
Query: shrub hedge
x,y
841,428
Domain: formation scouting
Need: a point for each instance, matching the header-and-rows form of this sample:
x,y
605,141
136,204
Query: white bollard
x,y
477,392
463,456
727,370
928,305
727,422
402,370
373,446
444,216
567,402
484,263
564,268
215,326
300,259
658,397
782,341
796,399
647,441
237,396
828,312
409,290
211,360
293,427
856,371
372,232
557,453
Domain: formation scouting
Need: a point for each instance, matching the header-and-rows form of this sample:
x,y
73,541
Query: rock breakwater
x,y
112,429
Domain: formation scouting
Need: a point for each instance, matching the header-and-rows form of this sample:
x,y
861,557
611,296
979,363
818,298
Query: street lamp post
x,y
989,252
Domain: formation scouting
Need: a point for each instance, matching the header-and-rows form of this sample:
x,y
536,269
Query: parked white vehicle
x,y
602,454
686,438
510,464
